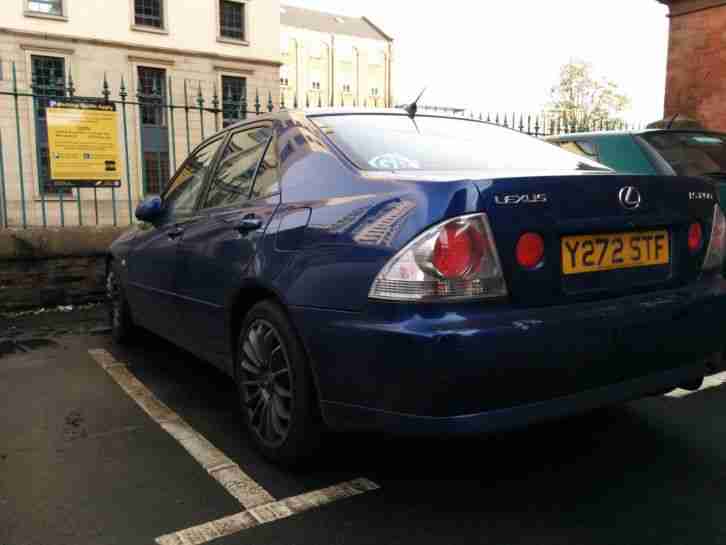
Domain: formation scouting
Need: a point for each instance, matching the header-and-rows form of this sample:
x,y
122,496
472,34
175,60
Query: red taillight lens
x,y
695,237
530,250
458,250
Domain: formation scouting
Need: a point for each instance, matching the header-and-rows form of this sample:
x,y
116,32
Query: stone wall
x,y
50,267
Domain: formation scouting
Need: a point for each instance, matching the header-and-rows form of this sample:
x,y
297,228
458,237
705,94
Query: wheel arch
x,y
249,294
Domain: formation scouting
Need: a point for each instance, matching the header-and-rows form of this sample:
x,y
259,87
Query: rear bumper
x,y
478,367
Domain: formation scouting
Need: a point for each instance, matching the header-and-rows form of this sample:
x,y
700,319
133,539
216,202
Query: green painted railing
x,y
28,199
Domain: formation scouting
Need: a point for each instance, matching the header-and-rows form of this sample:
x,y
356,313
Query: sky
x,y
505,55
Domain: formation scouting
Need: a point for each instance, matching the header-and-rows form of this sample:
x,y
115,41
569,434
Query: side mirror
x,y
149,209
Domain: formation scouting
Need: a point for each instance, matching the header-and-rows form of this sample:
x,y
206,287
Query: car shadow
x,y
647,471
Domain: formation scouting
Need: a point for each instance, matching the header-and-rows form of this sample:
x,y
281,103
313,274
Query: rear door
x,y
220,251
153,261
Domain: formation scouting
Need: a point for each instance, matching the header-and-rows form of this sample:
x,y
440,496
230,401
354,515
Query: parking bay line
x,y
260,506
714,381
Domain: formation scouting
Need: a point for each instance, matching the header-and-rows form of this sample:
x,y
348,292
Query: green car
x,y
674,152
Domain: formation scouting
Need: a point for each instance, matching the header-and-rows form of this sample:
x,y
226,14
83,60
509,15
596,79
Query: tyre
x,y
275,385
119,313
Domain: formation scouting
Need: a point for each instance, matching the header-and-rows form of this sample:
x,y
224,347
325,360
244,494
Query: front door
x,y
153,261
218,254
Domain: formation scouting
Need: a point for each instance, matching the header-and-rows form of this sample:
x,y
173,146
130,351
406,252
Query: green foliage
x,y
582,97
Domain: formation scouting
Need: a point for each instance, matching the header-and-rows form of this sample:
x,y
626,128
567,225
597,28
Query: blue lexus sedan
x,y
373,269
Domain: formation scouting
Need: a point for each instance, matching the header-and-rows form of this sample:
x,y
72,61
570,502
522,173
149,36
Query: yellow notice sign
x,y
83,143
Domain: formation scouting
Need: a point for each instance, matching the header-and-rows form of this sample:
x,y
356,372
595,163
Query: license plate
x,y
592,253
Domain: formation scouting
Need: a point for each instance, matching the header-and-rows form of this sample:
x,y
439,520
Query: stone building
x,y
332,59
695,85
231,46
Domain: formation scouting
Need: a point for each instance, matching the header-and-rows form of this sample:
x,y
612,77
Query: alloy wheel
x,y
266,383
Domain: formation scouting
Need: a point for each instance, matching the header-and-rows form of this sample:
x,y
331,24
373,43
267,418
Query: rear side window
x,y
232,183
396,142
690,153
267,181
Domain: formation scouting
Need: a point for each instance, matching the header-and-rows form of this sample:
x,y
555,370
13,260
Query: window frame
x,y
230,133
223,138
246,11
150,28
32,13
235,75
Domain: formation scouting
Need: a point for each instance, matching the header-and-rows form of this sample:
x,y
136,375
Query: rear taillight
x,y
715,254
456,259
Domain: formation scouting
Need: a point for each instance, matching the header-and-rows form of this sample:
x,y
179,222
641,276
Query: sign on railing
x,y
83,144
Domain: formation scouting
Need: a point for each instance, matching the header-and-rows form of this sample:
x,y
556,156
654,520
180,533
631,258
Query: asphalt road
x,y
82,463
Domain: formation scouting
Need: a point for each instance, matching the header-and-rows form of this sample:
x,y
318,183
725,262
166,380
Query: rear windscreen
x,y
397,142
689,153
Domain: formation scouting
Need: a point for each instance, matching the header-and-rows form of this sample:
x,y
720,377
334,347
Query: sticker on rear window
x,y
393,161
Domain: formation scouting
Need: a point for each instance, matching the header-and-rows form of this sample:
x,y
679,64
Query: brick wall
x,y
696,80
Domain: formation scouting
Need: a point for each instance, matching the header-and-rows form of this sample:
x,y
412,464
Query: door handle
x,y
249,223
176,233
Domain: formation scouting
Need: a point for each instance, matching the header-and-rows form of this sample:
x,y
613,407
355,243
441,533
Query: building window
x,y
346,88
233,90
374,91
48,74
315,86
46,7
156,171
232,19
149,13
152,93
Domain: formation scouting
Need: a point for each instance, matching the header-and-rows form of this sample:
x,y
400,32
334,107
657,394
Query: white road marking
x,y
713,381
214,461
260,506
263,514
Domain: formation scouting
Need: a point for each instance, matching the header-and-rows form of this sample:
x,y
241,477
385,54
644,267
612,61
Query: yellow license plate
x,y
592,253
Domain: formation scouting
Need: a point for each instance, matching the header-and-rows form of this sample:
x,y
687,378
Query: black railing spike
x,y
294,101
480,117
307,100
244,103
71,87
215,97
365,102
355,103
496,119
489,117
282,100
258,106
521,123
506,124
106,92
270,105
200,96
122,90
536,125
529,123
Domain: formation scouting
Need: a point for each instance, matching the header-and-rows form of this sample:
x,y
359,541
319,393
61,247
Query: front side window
x,y
233,91
690,153
232,19
183,191
149,13
395,142
233,179
46,7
